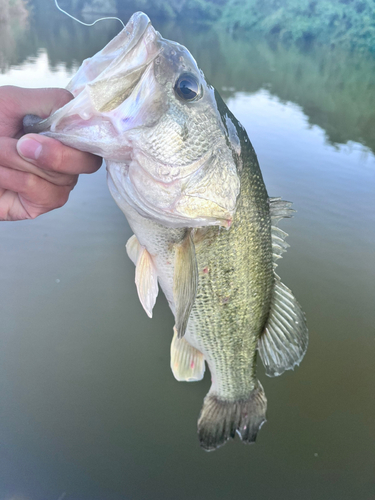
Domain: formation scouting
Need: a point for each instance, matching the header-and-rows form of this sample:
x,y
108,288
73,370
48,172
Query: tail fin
x,y
220,419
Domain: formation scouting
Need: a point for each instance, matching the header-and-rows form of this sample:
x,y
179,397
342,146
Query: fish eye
x,y
187,87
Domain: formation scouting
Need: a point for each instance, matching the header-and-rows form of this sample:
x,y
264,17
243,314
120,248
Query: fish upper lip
x,y
81,81
121,45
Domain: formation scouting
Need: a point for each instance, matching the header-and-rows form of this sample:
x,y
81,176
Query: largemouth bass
x,y
183,171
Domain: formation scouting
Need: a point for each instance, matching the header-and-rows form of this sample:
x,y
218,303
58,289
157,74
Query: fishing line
x,y
87,24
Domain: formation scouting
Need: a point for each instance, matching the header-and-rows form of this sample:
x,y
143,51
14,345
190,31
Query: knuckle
x,y
63,97
55,157
63,180
62,198
73,182
32,214
30,182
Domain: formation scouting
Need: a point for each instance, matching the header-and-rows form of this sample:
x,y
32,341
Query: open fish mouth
x,y
103,89
166,152
107,62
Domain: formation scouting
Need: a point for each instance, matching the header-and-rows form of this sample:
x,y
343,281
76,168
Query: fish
x,y
183,171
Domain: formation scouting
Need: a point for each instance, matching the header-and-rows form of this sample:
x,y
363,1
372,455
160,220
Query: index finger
x,y
16,102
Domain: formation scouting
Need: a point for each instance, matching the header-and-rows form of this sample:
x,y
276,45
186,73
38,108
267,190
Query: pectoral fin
x,y
187,363
283,343
146,280
185,282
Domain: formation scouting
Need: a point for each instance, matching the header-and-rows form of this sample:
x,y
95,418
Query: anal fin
x,y
185,282
187,363
284,341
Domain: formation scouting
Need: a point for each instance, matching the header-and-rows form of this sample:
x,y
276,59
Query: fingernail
x,y
28,148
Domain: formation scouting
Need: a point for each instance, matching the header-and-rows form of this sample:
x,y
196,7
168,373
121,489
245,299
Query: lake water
x,y
89,407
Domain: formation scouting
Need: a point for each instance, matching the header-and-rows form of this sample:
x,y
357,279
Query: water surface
x,y
89,406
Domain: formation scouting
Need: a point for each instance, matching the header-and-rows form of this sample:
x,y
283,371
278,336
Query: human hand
x,y
37,173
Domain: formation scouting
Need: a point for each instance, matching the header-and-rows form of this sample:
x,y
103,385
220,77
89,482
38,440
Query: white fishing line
x,y
87,24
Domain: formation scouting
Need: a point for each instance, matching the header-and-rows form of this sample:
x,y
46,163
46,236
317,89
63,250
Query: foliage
x,y
333,86
348,23
11,9
203,11
343,22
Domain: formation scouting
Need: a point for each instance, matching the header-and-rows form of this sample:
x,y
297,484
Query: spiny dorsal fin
x,y
187,363
279,245
284,341
185,282
280,209
146,280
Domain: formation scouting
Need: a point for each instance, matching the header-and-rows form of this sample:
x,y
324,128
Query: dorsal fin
x,y
280,209
279,245
284,341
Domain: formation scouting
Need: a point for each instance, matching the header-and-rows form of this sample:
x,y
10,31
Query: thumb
x,y
41,102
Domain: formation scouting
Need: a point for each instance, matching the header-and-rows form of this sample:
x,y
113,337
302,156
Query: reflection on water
x,y
13,23
36,72
335,89
89,406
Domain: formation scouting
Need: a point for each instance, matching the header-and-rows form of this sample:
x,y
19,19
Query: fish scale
x,y
183,171
177,149
233,297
